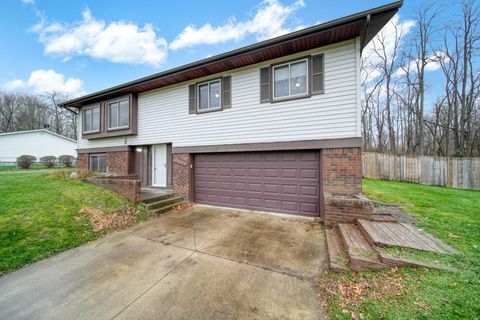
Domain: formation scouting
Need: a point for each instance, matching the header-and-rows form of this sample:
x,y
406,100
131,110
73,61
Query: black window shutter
x,y
265,84
317,74
192,99
227,92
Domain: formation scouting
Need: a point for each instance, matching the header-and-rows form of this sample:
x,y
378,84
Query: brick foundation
x,y
129,187
342,171
346,209
182,174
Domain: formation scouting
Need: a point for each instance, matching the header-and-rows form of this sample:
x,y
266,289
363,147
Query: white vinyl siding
x,y
163,114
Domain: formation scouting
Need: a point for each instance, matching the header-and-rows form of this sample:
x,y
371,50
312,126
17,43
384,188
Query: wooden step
x,y
361,254
338,260
163,202
168,207
394,261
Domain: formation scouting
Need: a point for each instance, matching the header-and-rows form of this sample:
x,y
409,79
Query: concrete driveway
x,y
201,263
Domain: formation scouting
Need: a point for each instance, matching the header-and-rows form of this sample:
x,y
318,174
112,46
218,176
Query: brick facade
x,y
82,161
182,175
129,187
342,171
119,163
342,187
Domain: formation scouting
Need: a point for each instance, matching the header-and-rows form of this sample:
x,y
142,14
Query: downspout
x,y
364,33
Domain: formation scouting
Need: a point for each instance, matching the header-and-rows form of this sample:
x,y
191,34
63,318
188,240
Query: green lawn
x,y
450,214
39,215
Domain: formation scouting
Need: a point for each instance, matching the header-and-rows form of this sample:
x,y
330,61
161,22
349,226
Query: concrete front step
x,y
168,207
362,256
163,202
337,256
158,197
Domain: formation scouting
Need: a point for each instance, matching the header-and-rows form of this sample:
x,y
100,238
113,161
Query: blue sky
x,y
85,46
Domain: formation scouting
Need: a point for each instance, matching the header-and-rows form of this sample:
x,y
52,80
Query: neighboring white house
x,y
37,143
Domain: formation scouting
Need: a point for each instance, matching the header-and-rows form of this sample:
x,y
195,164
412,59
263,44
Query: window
x,y
98,163
118,114
91,119
209,95
290,79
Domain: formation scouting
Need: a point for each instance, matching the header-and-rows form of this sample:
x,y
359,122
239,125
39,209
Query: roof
x,y
365,24
37,130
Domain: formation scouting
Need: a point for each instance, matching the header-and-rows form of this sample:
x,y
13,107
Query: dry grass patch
x,y
350,293
118,220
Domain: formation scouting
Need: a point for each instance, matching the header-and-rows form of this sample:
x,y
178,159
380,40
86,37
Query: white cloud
x,y
119,41
28,1
43,81
432,64
13,85
268,22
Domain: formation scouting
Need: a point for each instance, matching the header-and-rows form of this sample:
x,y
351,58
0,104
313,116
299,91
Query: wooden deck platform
x,y
383,233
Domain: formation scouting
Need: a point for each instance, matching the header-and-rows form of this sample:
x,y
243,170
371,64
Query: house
x,y
274,126
37,143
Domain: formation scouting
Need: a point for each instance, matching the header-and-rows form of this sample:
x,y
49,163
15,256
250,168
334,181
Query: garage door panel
x,y
309,190
285,181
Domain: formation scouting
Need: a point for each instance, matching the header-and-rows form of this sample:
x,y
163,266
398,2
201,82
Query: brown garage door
x,y
278,181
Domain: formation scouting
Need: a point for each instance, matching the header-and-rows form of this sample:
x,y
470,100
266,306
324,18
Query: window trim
x,y
220,106
108,113
97,155
291,96
99,118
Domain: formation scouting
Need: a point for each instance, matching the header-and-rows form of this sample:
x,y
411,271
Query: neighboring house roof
x,y
37,130
365,25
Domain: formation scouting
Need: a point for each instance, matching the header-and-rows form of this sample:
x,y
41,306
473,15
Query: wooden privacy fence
x,y
461,173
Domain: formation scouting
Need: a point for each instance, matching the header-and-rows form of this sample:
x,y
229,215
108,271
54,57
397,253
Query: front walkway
x,y
202,263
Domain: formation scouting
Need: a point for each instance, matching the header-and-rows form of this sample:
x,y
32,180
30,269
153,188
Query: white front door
x,y
159,165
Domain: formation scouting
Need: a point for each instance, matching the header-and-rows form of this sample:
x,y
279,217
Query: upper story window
x,y
91,119
290,79
301,78
118,114
209,95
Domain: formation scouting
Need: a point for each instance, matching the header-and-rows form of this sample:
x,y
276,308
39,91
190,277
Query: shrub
x,y
67,160
25,161
49,161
